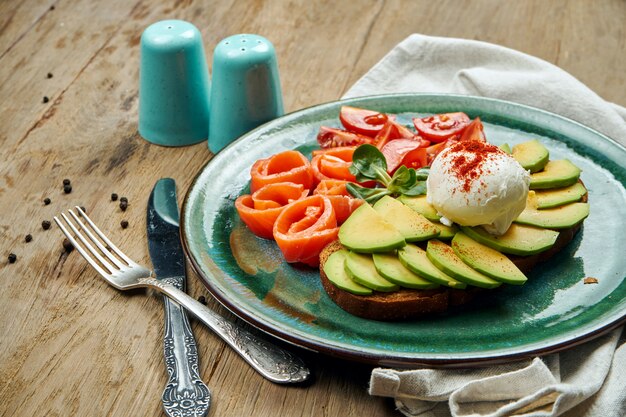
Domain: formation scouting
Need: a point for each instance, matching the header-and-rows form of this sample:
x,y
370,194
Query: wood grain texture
x,y
72,346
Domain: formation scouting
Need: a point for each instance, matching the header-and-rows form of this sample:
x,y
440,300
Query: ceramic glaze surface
x,y
552,311
174,84
246,88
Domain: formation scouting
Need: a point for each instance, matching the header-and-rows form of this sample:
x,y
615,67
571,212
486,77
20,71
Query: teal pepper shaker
x,y
245,89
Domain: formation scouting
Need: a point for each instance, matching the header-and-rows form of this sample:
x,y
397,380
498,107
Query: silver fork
x,y
271,361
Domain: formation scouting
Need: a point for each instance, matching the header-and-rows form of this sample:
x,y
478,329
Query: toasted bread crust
x,y
397,305
408,303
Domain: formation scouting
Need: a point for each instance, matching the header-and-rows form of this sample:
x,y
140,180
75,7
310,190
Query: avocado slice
x,y
416,260
335,270
559,173
506,148
444,258
367,231
419,204
531,155
561,217
446,232
361,269
389,266
487,260
518,240
545,199
413,226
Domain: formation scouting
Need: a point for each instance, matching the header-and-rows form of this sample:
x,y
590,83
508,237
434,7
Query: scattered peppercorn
x,y
124,199
46,99
12,258
83,209
67,245
28,238
113,197
49,75
124,224
202,299
45,224
46,201
123,205
67,189
66,181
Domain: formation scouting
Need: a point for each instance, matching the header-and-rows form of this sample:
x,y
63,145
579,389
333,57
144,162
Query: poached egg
x,y
474,183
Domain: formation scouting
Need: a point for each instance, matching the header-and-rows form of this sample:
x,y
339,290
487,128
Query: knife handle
x,y
184,390
271,361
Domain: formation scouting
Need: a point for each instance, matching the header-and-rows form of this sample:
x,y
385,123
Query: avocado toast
x,y
384,277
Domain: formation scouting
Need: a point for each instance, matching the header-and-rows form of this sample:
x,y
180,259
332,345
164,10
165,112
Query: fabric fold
x,y
584,381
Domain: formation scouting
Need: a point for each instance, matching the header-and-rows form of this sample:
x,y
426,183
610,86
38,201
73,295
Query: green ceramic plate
x,y
553,311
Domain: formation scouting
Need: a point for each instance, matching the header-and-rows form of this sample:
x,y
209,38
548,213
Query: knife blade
x,y
185,392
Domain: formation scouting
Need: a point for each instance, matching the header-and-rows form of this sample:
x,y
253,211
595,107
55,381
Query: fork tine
x,y
106,252
88,246
79,248
104,238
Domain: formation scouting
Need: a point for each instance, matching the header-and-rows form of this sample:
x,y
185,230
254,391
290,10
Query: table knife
x,y
185,394
270,360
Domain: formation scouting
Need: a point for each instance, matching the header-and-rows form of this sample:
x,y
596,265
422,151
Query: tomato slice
x,y
433,150
474,131
393,131
395,152
440,127
363,121
417,158
329,137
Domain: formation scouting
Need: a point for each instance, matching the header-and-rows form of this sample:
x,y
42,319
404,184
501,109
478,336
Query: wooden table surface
x,y
70,345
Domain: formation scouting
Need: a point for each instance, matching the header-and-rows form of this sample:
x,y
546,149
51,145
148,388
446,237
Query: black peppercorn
x,y
67,189
202,299
124,224
66,182
83,209
45,99
12,258
124,199
123,205
113,197
45,224
67,245
28,238
49,75
46,201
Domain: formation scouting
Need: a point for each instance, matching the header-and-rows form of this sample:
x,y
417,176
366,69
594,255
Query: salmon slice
x,y
287,166
344,206
343,202
260,210
278,195
304,228
332,187
333,163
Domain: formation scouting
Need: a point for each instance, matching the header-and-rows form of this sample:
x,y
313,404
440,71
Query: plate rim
x,y
401,361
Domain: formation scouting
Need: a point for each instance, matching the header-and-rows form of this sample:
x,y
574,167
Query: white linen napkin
x,y
585,381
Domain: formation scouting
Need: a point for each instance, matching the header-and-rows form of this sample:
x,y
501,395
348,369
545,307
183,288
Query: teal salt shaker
x,y
245,90
174,85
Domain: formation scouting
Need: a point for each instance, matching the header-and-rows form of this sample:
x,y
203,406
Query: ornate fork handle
x,y
274,363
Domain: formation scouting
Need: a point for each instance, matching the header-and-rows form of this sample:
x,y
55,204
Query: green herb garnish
x,y
368,164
